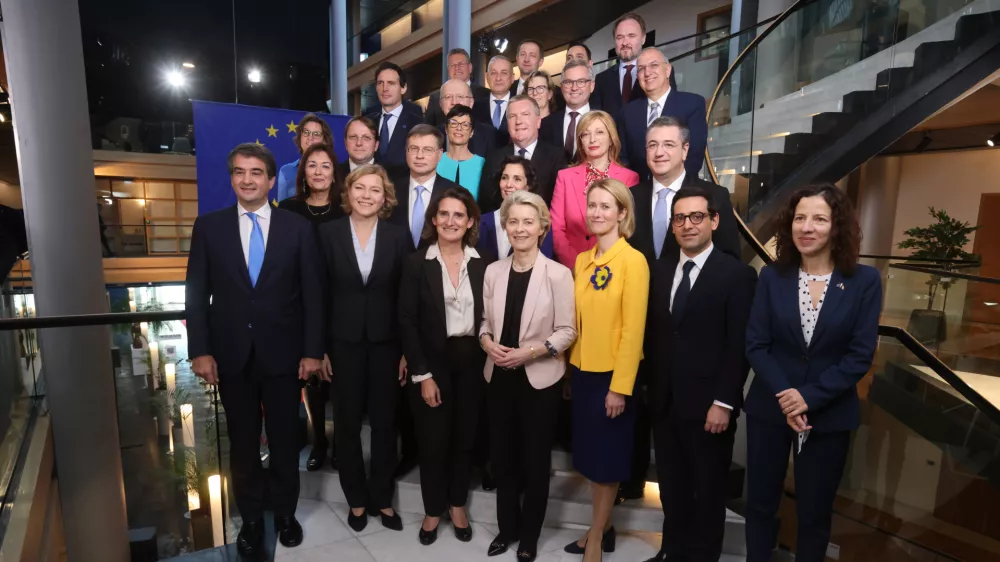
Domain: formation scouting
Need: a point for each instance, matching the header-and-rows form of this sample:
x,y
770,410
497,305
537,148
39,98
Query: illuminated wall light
x,y
215,503
187,425
194,500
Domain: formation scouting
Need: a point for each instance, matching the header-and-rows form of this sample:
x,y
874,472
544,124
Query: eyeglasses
x,y
696,218
313,134
455,97
460,125
581,83
356,138
532,90
427,150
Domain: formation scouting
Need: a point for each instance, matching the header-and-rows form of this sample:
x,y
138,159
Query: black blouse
x,y
315,215
517,290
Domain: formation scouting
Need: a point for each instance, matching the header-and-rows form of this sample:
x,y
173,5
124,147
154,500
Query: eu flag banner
x,y
218,127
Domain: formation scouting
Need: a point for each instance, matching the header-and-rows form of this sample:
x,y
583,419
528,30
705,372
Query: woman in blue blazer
x,y
811,337
516,174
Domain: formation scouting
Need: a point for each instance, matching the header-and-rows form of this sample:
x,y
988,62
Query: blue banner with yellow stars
x,y
218,127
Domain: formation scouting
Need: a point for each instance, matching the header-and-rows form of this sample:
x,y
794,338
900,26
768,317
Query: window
x,y
712,26
148,216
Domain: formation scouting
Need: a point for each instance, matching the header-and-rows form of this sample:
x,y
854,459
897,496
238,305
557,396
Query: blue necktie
x,y
256,257
417,221
497,114
383,135
683,290
660,221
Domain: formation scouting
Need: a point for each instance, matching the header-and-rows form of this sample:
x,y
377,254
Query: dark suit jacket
x,y
359,311
688,108
840,354
488,245
434,116
697,356
421,311
401,180
483,139
725,238
482,112
546,161
395,152
280,319
608,91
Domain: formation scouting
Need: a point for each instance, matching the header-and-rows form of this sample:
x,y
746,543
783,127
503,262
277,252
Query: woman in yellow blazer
x,y
611,290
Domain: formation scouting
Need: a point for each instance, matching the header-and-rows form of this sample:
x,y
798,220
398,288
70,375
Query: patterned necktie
x,y
654,112
660,221
383,135
627,84
256,255
571,134
497,114
683,290
417,220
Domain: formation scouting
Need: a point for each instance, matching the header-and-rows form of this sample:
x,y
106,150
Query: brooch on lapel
x,y
840,286
601,277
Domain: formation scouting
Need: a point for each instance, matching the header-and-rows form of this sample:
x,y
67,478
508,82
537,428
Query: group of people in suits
x,y
451,310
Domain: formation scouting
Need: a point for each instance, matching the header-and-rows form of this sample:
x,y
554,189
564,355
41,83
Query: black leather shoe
x,y
660,557
607,543
427,538
289,530
524,555
316,458
249,542
392,522
405,466
488,484
357,522
463,534
498,547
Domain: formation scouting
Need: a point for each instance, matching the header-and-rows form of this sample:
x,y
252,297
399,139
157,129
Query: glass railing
x,y
386,23
152,238
821,68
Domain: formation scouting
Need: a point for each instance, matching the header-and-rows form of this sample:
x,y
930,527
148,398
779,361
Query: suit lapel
x,y
538,273
432,273
700,286
500,300
580,197
834,292
642,196
275,238
234,245
477,275
346,240
789,285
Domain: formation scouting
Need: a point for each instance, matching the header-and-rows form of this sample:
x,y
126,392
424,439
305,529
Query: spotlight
x,y
254,76
3,118
500,43
993,141
176,79
188,65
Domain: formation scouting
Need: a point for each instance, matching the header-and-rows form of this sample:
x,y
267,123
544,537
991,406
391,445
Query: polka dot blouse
x,y
807,314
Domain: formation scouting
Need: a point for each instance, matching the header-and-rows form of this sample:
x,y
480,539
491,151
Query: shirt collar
x,y
662,101
675,186
622,65
606,257
262,213
395,112
494,98
434,252
582,111
428,185
530,148
700,259
352,166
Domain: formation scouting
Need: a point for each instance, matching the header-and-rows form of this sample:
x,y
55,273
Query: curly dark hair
x,y
302,190
529,170
845,234
471,208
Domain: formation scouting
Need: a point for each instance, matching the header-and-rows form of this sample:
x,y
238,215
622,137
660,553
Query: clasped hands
x,y
794,407
506,357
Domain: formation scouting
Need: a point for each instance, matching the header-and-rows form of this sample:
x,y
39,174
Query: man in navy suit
x,y
394,119
459,69
617,86
255,328
654,71
559,128
493,108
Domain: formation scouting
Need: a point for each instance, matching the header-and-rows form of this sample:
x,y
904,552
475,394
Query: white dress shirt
x,y
425,196
520,84
699,264
503,106
621,73
566,118
459,302
366,255
530,149
674,188
392,122
246,227
662,101
352,166
808,314
503,243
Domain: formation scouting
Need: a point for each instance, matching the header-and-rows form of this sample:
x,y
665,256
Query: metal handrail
x,y
946,273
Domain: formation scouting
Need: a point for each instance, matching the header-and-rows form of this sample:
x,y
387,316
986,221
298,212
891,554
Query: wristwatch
x,y
553,352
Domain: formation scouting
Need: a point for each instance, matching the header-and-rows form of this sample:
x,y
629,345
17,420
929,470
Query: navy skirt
x,y
602,446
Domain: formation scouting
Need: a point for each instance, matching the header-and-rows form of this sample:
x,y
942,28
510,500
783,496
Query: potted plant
x,y
943,239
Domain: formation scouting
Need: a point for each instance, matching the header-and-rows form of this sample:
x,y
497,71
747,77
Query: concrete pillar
x,y
445,42
48,90
338,57
457,27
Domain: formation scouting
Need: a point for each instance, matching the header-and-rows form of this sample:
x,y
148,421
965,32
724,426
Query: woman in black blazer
x,y
364,260
811,337
440,309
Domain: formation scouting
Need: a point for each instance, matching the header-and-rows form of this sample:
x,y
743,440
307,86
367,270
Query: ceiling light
x,y
254,76
3,118
188,65
500,43
176,79
993,141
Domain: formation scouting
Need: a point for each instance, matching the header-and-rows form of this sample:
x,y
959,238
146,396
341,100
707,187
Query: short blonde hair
x,y
387,188
588,119
531,200
623,198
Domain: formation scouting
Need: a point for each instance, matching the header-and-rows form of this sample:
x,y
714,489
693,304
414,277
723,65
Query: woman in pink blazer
x,y
598,148
529,321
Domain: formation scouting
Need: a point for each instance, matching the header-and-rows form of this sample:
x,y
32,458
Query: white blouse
x,y
808,314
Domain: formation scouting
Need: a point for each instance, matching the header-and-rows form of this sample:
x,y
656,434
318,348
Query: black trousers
x,y
523,423
446,435
692,466
317,395
365,376
818,470
643,433
242,395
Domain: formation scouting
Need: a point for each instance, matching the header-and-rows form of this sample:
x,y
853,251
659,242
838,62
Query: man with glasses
x,y
361,141
695,398
460,69
559,128
455,92
311,130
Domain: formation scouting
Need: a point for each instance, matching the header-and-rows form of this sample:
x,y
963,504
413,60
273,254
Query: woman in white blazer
x,y
529,321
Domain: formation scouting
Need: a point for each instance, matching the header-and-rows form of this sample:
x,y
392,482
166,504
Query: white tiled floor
x,y
329,539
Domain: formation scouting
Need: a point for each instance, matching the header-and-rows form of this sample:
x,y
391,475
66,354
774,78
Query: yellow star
x,y
258,143
272,132
291,126
275,203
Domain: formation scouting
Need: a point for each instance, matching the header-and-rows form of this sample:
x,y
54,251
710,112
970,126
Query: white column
x,y
338,57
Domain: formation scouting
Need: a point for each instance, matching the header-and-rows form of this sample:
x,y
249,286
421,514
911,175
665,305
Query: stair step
x,y
932,56
971,27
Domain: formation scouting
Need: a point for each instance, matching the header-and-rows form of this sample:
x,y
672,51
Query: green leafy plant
x,y
944,239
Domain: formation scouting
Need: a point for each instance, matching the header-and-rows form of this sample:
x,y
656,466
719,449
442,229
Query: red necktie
x,y
627,84
571,134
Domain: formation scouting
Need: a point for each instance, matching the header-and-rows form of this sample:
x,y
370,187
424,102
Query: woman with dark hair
x,y
811,337
440,309
516,174
310,130
315,201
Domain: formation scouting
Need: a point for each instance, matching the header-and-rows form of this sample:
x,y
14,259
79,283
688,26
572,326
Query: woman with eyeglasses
x,y
597,159
458,163
310,130
539,87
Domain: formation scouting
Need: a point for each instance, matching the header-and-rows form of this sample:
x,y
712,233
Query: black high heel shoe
x,y
607,543
498,547
427,538
392,522
463,534
357,522
526,555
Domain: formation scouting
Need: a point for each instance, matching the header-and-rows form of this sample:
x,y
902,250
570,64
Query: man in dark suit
x,y
546,160
700,300
361,142
529,59
617,86
459,68
661,101
394,119
493,108
456,92
559,129
254,282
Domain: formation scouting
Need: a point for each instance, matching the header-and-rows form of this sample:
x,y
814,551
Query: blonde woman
x,y
539,86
